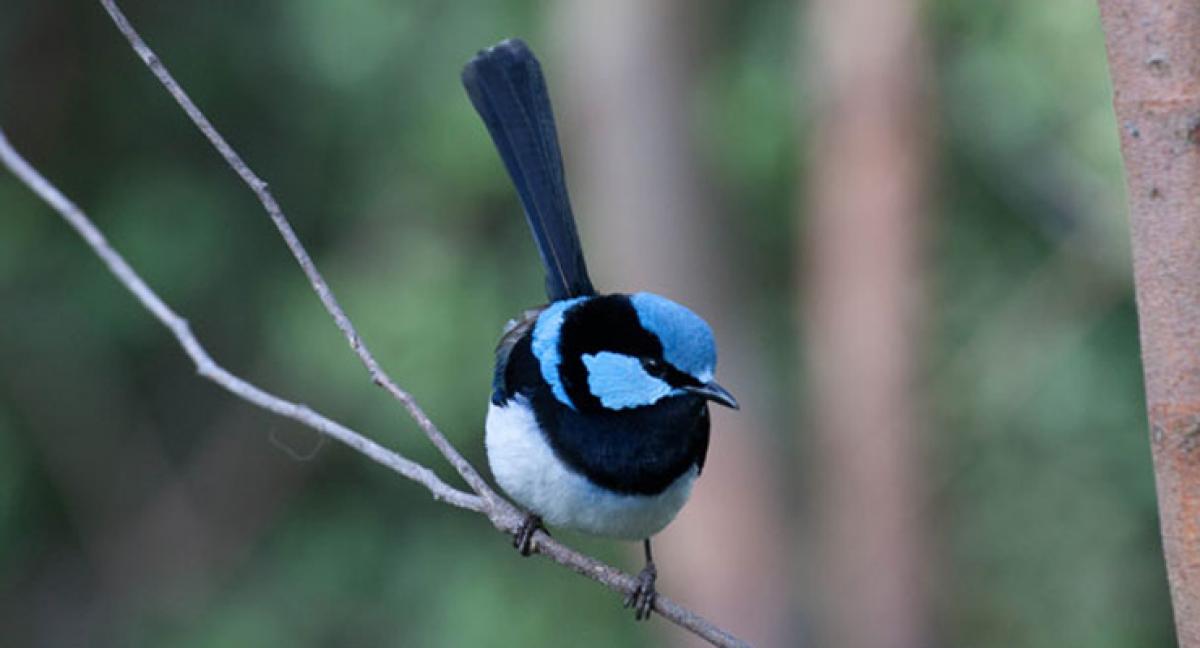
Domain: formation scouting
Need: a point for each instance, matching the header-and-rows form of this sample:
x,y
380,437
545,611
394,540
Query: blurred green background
x,y
142,506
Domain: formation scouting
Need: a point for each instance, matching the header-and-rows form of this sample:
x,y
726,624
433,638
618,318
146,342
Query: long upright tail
x,y
507,89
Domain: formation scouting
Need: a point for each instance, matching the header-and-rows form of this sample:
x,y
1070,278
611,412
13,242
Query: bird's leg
x,y
523,540
641,599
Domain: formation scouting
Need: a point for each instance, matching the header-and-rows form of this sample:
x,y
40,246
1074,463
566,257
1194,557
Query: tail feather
x,y
506,87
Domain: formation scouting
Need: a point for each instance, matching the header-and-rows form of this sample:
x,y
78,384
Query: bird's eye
x,y
653,366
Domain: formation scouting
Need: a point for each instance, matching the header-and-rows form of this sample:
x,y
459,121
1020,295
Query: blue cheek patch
x,y
545,345
686,338
620,382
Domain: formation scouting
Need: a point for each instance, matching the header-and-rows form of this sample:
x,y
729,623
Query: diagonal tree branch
x,y
205,365
502,514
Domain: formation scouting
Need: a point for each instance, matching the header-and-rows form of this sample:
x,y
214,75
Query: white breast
x,y
528,470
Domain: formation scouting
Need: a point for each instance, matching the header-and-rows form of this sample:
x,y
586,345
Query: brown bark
x,y
650,222
1154,59
864,278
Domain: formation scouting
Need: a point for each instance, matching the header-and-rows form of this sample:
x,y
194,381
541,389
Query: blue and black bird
x,y
599,414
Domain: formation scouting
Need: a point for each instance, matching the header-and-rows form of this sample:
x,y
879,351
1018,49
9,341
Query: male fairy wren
x,y
598,419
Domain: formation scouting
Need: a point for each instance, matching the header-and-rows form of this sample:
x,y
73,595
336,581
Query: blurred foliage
x,y
1042,494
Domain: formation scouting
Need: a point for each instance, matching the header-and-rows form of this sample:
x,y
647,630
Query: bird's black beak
x,y
715,393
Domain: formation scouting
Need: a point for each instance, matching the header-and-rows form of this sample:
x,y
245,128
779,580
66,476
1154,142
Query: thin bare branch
x,y
502,514
205,365
263,192
863,243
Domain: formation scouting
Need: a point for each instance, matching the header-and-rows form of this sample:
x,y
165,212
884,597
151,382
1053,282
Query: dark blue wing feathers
x,y
506,87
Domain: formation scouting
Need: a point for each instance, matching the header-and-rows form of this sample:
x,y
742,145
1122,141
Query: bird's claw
x,y
641,599
523,539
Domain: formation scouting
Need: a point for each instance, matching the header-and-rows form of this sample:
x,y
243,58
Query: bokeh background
x,y
142,506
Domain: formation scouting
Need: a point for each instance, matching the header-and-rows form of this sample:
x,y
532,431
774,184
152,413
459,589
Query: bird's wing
x,y
506,87
513,332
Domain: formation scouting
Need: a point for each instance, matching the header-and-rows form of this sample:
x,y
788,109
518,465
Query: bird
x,y
598,420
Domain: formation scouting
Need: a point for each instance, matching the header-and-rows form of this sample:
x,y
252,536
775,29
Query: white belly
x,y
527,469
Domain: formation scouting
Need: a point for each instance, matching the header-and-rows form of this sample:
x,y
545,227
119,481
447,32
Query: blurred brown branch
x,y
1153,59
502,514
630,71
865,277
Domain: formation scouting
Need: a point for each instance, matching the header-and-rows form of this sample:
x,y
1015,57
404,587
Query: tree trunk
x,y
864,279
1154,59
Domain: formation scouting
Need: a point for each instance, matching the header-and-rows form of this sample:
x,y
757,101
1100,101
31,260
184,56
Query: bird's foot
x,y
641,599
523,540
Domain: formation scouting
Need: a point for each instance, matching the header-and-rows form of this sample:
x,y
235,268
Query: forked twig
x,y
502,514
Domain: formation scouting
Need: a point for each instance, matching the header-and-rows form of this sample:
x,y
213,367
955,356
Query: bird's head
x,y
617,352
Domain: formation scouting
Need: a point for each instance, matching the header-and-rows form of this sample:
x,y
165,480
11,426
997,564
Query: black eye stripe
x,y
673,377
677,378
654,366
